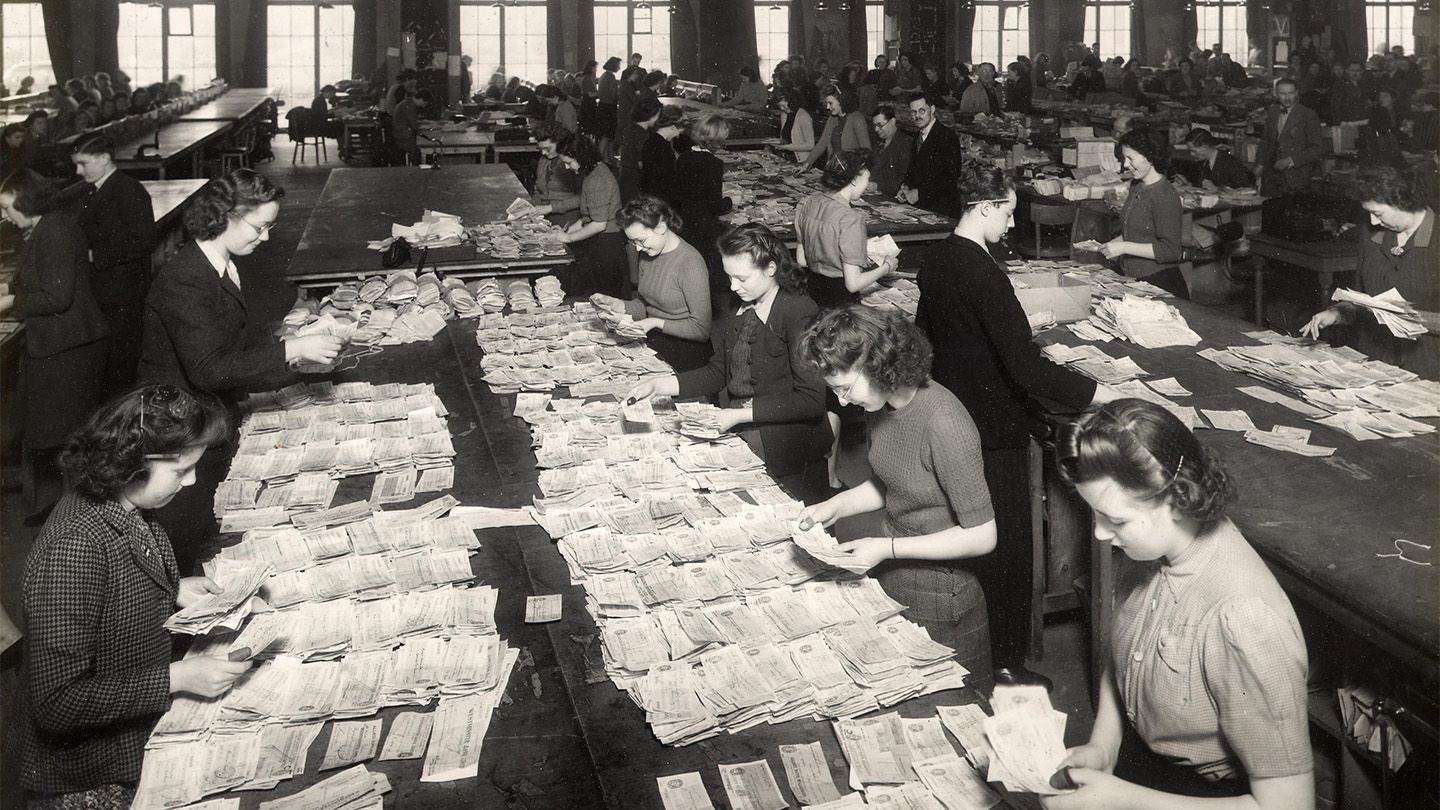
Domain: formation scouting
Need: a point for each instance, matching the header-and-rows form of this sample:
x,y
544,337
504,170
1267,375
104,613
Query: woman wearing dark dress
x,y
599,246
99,584
657,158
62,372
632,146
984,355
926,476
773,401
606,102
699,198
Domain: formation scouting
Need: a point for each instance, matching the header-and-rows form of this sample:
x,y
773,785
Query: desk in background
x,y
180,142
1324,259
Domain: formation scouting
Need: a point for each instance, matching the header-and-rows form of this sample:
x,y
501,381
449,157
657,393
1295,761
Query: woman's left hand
x,y
1097,791
194,589
728,418
1115,248
871,550
646,324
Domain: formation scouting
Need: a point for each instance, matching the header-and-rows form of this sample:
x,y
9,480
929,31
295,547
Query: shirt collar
x,y
101,181
221,265
1420,239
925,133
762,308
1186,566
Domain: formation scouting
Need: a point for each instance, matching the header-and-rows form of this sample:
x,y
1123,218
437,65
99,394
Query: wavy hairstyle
x,y
650,211
842,169
34,192
1390,186
1152,144
762,247
580,149
225,198
883,345
1149,453
110,452
980,182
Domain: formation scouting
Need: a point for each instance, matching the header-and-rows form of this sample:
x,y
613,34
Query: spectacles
x,y
639,243
260,230
844,392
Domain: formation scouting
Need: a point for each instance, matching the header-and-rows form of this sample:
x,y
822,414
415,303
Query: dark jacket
x,y
657,167
632,148
892,163
789,402
195,331
1300,141
1228,172
698,191
52,288
119,222
98,588
934,168
983,350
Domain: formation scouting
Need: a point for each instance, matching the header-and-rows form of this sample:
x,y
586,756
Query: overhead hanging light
x,y
822,5
642,4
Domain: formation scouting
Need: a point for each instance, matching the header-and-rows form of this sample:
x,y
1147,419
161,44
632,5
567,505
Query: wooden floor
x,y
270,296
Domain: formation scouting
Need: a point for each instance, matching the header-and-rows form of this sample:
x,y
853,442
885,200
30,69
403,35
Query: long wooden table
x,y
1324,259
168,199
236,104
180,141
746,129
358,205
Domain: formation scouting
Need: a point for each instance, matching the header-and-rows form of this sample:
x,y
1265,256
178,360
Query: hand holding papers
x,y
1389,308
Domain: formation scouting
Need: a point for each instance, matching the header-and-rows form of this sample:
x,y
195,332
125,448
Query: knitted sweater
x,y
675,287
927,454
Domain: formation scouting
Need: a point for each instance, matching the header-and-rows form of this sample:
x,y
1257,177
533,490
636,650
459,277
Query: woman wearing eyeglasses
x,y
99,584
674,304
196,317
62,372
985,357
926,475
775,403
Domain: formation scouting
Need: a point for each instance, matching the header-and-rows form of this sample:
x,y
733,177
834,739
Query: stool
x,y
1044,213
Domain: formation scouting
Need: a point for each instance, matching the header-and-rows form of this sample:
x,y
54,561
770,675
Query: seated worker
x,y
1214,168
1205,693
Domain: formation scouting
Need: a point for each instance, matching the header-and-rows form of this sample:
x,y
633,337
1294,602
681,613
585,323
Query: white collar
x,y
218,261
101,181
762,308
925,133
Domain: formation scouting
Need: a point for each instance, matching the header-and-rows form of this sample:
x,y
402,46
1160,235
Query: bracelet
x,y
892,547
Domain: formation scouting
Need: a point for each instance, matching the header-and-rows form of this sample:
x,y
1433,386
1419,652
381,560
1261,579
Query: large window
x,y
158,43
772,35
874,30
623,28
1389,23
1223,21
1001,32
1108,23
25,52
307,47
509,39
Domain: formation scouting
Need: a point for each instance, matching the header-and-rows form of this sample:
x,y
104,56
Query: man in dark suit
x,y
119,222
1291,147
930,181
1213,168
895,149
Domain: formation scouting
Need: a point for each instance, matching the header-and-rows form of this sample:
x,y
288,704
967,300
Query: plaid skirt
x,y
947,601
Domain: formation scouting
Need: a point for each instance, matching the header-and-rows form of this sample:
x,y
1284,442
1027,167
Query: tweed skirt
x,y
948,602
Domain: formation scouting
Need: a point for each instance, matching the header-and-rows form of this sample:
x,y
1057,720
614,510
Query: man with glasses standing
x,y
930,181
892,157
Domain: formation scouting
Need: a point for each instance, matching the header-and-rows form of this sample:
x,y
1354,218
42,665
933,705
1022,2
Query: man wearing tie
x,y
119,224
1291,146
930,181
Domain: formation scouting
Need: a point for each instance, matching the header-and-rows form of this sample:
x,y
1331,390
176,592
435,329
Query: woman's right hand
x,y
608,304
824,513
1323,319
1089,756
206,675
313,348
644,389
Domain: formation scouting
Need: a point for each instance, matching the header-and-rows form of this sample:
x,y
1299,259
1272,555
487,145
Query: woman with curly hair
x,y
99,584
1400,254
1205,693
774,402
927,476
673,307
985,357
832,235
599,246
1148,246
196,318
62,372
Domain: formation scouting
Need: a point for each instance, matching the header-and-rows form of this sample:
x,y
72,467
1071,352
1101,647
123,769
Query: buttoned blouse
x,y
1210,661
1412,273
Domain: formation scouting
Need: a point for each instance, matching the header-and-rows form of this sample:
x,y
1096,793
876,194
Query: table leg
x,y
1260,292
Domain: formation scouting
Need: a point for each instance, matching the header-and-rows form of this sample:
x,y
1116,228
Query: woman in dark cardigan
x,y
984,355
657,158
62,372
698,195
99,584
775,402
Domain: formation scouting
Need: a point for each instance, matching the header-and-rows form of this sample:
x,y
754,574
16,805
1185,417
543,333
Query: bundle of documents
x,y
225,608
1389,308
1094,363
898,293
540,350
529,237
1144,321
1359,709
434,230
1026,738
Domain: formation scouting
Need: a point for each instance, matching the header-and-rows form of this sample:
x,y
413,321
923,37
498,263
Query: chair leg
x,y
297,147
325,148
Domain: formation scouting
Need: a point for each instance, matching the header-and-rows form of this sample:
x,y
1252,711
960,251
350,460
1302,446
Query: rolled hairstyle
x,y
228,197
1149,453
1152,144
842,169
762,247
1390,186
110,452
882,344
650,211
34,193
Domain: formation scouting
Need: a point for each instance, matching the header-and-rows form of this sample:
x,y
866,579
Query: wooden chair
x,y
237,154
1046,213
305,134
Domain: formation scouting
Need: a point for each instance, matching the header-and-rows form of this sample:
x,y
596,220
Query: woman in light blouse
x,y
1149,243
1204,701
845,130
797,133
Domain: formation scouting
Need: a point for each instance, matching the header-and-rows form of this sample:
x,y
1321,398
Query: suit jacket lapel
x,y
140,538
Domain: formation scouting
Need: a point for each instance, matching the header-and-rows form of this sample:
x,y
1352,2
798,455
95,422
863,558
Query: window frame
x,y
1098,32
764,65
319,63
32,9
166,71
652,57
1391,9
1239,52
502,36
999,57
874,34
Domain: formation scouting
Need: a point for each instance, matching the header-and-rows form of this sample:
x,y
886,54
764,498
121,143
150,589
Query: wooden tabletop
x,y
168,197
358,205
175,139
1333,256
235,105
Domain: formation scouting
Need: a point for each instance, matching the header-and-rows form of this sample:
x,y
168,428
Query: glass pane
x,y
526,42
180,21
874,31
